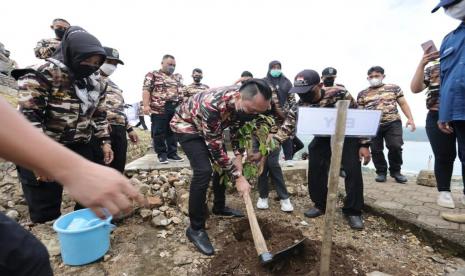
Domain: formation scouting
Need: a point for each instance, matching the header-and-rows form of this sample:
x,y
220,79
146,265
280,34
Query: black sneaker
x,y
176,158
313,212
380,178
200,239
399,177
163,160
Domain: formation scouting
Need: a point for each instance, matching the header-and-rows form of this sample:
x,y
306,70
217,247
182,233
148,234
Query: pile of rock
x,y
167,196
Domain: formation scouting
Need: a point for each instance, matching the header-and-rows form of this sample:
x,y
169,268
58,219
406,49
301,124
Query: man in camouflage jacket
x,y
312,94
47,46
65,100
199,124
196,86
162,92
385,97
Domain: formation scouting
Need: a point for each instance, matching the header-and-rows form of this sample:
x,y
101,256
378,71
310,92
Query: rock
x,y
161,220
304,223
106,257
176,220
164,254
156,187
378,273
165,187
458,272
144,189
53,246
10,204
163,208
172,195
145,213
162,234
178,184
172,179
449,269
438,260
154,201
2,209
163,178
426,178
291,190
183,203
156,212
12,214
428,249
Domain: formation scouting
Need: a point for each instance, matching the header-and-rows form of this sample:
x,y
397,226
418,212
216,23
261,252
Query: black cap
x,y
444,3
112,53
329,72
305,81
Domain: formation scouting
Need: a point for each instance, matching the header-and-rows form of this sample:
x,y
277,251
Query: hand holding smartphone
x,y
429,47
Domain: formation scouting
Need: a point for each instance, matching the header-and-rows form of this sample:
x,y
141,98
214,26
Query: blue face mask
x,y
275,73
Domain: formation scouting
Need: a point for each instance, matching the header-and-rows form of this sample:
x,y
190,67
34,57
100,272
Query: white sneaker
x,y
289,163
445,200
262,203
286,205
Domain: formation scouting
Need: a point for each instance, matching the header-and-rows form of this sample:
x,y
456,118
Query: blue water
x,y
415,156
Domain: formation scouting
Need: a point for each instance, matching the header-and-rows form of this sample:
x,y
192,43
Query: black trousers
x,y
444,149
199,157
287,149
44,198
391,133
319,152
141,122
119,145
272,169
164,140
459,129
21,254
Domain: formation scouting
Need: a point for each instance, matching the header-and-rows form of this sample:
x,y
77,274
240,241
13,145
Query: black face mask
x,y
328,82
83,70
310,97
60,33
197,79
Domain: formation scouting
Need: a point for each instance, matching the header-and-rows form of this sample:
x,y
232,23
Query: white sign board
x,y
322,121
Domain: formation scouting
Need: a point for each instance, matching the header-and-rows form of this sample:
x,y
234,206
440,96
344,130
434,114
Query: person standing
x,y
196,86
140,114
114,106
162,93
282,85
312,93
46,47
386,97
65,100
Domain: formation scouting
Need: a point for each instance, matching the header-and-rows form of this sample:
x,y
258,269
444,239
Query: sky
x,y
226,37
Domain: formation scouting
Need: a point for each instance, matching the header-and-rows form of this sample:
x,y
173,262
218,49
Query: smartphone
x,y
429,47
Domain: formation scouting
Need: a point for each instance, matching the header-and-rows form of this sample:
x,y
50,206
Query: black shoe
x,y
380,178
313,213
176,158
162,159
228,212
399,177
355,222
200,239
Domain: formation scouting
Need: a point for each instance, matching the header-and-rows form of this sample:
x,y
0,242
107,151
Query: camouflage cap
x,y
329,72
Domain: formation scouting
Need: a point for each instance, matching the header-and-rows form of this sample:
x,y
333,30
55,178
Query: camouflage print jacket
x,y
432,81
208,114
68,112
193,89
382,98
114,104
330,96
46,47
163,88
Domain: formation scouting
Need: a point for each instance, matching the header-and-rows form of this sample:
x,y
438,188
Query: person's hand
x,y
242,185
133,137
445,127
254,157
364,155
411,124
107,153
427,57
98,187
147,110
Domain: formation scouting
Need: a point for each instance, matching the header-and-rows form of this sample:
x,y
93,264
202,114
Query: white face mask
x,y
108,68
374,82
456,11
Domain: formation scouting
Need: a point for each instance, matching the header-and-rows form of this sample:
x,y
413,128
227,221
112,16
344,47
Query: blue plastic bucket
x,y
83,246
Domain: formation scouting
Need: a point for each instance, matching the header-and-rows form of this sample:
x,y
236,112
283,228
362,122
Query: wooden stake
x,y
337,143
